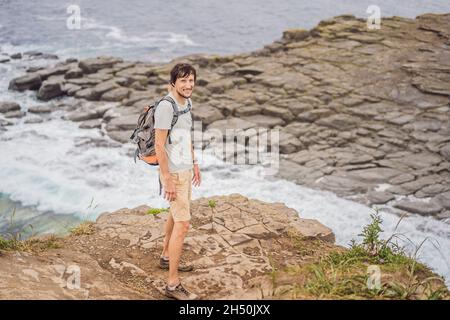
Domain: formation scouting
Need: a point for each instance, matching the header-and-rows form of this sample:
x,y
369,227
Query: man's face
x,y
185,86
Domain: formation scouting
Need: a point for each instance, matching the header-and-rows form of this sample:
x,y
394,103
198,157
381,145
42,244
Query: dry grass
x,y
85,228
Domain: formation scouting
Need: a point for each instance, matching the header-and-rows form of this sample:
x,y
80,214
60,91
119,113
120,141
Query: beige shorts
x,y
180,208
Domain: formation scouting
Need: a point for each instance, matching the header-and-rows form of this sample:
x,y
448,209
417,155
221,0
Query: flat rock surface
x,y
230,245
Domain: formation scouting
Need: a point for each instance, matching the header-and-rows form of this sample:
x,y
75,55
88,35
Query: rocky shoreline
x,y
233,247
361,113
240,248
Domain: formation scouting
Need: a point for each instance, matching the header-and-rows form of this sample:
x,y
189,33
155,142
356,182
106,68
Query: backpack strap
x,y
136,154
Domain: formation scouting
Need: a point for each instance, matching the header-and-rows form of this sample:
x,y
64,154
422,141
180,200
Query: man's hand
x,y
196,179
170,192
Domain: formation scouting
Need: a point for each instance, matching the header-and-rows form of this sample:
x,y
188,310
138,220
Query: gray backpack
x,y
144,134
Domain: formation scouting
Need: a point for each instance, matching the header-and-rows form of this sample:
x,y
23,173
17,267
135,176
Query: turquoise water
x,y
25,221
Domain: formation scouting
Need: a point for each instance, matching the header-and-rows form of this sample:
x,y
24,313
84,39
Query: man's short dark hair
x,y
182,70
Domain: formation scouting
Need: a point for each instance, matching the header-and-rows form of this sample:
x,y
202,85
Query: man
x,y
178,167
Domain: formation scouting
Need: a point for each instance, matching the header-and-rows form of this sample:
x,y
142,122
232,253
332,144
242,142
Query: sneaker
x,y
183,266
180,293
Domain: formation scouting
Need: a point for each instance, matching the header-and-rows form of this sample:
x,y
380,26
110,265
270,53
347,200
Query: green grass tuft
x,y
155,211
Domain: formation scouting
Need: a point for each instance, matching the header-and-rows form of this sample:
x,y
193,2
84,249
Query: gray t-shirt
x,y
179,151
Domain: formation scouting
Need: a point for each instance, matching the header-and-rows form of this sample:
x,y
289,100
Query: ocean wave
x,y
152,38
51,18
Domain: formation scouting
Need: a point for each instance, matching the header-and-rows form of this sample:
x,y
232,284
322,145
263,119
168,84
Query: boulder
x,y
120,135
14,114
445,151
116,112
30,81
443,200
231,123
431,190
374,175
33,53
88,94
91,124
74,73
84,82
343,185
420,183
293,35
17,55
339,122
5,123
206,114
288,143
34,120
88,112
117,94
70,89
222,85
104,87
264,121
49,90
49,56
419,207
403,178
7,106
52,71
278,112
378,197
122,123
40,109
247,111
93,65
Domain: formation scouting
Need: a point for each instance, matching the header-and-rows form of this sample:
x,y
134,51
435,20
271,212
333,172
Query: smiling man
x,y
178,170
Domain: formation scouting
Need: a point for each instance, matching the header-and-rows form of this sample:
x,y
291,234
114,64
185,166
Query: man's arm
x,y
161,154
163,120
196,179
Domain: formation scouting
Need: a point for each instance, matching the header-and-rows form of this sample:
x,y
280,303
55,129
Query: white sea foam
x,y
150,38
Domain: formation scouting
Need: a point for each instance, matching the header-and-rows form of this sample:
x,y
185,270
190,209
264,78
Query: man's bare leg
x,y
168,233
179,232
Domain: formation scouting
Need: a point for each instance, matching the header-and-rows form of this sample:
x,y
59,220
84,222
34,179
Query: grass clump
x,y
31,244
372,269
18,238
156,211
84,228
13,240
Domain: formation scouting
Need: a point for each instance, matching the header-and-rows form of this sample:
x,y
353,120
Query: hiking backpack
x,y
144,134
